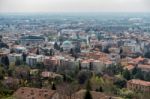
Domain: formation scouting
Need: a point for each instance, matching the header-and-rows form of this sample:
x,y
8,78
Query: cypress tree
x,y
88,95
53,86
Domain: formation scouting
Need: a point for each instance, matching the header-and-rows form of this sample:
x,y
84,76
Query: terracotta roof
x,y
50,74
136,60
96,95
129,67
139,82
33,93
144,66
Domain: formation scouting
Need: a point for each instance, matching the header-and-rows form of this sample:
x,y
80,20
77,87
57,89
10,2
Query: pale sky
x,y
74,5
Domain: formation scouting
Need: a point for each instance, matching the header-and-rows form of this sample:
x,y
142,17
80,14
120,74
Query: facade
x,y
19,49
14,57
34,39
138,85
67,45
145,68
34,93
32,60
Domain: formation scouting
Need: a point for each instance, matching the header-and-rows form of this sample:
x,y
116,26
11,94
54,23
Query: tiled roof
x,y
33,93
139,82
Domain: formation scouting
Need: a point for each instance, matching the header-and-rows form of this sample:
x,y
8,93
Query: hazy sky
x,y
74,5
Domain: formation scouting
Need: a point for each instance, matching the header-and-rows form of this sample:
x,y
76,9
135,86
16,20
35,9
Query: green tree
x,y
40,65
2,73
37,51
24,57
18,62
88,85
53,86
134,71
5,61
51,52
139,75
83,76
126,74
56,46
147,76
88,95
100,89
147,55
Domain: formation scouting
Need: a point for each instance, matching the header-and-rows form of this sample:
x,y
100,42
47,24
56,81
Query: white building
x,y
67,45
32,60
13,57
19,49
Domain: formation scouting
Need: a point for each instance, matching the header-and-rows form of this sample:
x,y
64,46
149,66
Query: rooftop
x,y
33,93
139,82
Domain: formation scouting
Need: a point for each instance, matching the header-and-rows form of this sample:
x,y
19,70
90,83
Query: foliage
x,y
53,86
83,76
88,95
88,85
126,74
5,61
56,46
113,69
127,94
147,55
120,83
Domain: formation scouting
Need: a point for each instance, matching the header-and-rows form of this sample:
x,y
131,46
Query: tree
x,y
88,95
77,49
113,69
139,75
88,85
24,57
72,51
147,76
120,83
1,37
51,52
53,86
147,55
2,73
37,52
56,46
88,88
40,65
100,89
61,50
126,74
83,76
18,62
134,71
5,61
91,66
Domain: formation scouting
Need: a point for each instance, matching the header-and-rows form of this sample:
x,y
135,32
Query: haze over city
x,y
74,49
74,6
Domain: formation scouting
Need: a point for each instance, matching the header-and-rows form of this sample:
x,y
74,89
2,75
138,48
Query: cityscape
x,y
74,55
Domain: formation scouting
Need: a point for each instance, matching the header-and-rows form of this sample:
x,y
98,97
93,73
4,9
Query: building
x,y
69,64
51,75
32,39
19,49
51,61
145,68
34,93
67,45
14,57
95,95
32,60
138,85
